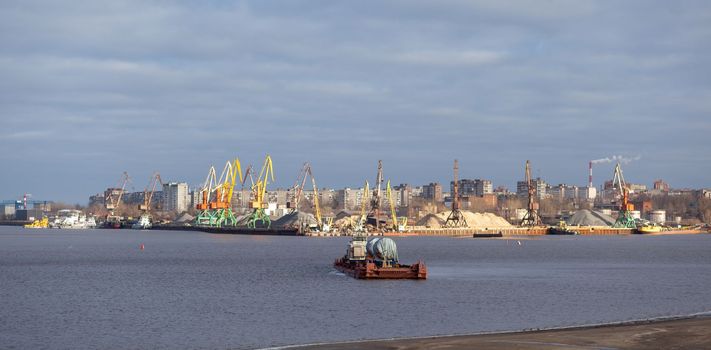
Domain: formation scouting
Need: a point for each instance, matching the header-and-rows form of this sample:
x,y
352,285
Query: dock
x,y
230,230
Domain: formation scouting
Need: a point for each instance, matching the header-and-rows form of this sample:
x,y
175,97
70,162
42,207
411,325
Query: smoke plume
x,y
621,159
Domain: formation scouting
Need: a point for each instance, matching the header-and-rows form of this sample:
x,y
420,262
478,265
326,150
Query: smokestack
x,y
590,185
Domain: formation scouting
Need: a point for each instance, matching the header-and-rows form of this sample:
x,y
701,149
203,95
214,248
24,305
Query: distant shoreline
x,y
688,331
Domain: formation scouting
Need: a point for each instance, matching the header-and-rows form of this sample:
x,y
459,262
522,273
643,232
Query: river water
x,y
67,289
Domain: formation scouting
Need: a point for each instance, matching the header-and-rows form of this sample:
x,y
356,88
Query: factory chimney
x,y
590,184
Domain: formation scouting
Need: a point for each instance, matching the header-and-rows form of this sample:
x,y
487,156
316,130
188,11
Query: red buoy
x,y
142,247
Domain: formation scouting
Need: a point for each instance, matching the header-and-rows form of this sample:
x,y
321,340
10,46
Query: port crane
x,y
376,197
531,218
248,174
205,196
222,206
216,196
624,217
323,224
398,224
259,192
145,220
361,225
298,189
113,200
456,217
148,194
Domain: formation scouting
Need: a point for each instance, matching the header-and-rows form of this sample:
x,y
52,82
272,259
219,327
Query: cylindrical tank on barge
x,y
658,216
382,248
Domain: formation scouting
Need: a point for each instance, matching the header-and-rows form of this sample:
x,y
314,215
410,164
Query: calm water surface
x,y
97,289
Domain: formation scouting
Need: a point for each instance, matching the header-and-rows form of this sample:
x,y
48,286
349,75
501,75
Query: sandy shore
x,y
686,333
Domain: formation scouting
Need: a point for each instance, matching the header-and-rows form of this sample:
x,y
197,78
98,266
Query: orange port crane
x,y
216,196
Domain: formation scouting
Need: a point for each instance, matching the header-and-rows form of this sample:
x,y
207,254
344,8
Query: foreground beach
x,y
686,333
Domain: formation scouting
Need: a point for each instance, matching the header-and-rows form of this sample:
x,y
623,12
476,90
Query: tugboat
x,y
647,229
561,229
376,259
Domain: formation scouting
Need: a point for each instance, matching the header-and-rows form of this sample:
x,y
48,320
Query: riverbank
x,y
678,333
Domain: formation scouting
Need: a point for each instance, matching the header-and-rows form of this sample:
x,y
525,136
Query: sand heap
x,y
185,217
475,220
587,217
294,220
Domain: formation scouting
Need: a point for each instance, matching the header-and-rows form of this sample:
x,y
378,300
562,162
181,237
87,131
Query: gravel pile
x,y
294,220
587,217
483,220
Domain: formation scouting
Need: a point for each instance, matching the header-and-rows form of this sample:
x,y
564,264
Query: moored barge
x,y
377,259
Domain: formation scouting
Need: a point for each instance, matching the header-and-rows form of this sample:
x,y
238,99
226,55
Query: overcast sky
x,y
89,89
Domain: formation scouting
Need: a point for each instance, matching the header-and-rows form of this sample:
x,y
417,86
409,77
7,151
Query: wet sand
x,y
686,333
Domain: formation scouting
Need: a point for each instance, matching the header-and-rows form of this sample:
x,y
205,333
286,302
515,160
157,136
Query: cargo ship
x,y
376,259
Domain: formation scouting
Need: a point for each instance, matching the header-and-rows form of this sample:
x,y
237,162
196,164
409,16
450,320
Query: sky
x,y
90,89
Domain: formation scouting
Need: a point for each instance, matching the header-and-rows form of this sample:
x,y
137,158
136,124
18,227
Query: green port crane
x,y
259,192
624,217
216,196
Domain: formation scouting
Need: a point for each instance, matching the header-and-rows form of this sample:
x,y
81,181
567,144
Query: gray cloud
x,y
90,89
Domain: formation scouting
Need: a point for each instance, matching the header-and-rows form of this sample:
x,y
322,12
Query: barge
x,y
377,259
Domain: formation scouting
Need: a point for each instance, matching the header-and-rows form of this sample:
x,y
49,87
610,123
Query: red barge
x,y
370,269
377,259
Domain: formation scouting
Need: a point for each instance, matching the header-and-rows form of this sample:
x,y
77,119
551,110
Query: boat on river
x,y
377,259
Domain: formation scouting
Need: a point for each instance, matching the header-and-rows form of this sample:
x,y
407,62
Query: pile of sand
x,y
185,217
431,220
483,220
294,220
587,217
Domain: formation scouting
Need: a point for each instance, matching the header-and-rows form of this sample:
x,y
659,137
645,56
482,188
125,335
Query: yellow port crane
x,y
259,192
361,225
324,223
398,223
216,196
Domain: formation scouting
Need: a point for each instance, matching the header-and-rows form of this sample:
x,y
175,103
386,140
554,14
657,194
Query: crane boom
x,y
375,200
259,190
114,201
148,194
389,193
317,207
298,188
